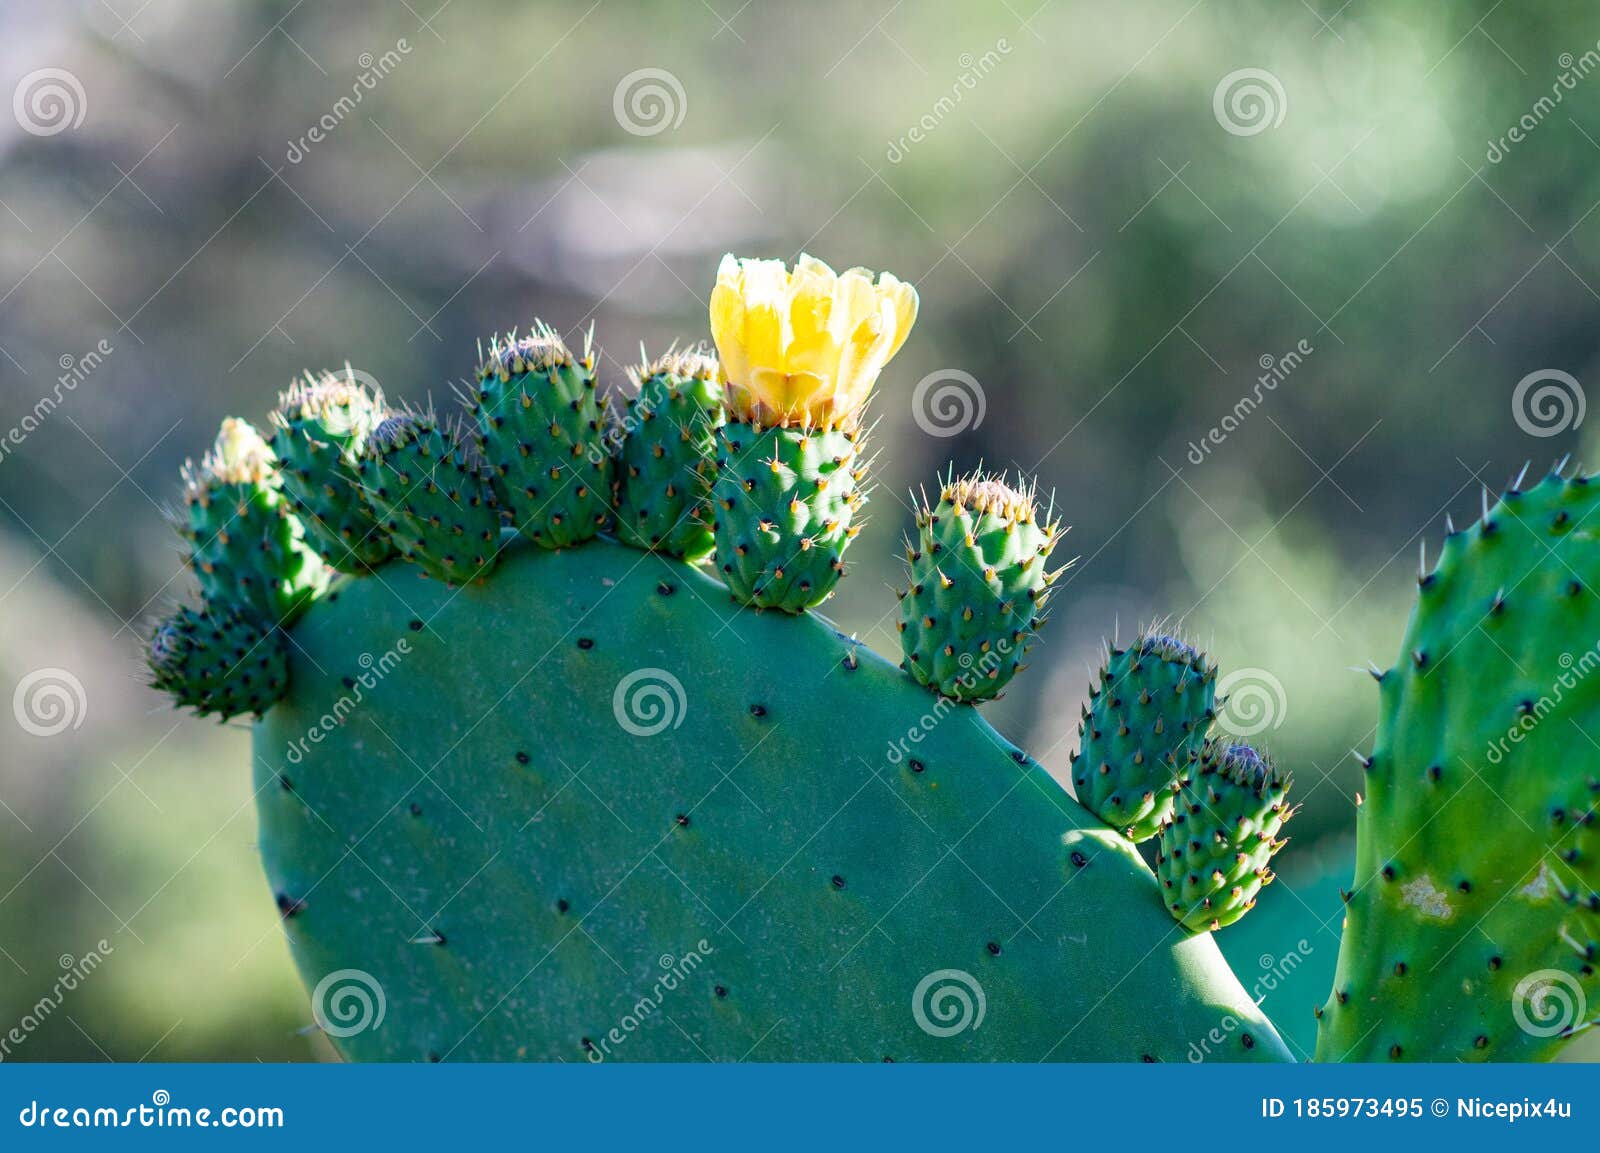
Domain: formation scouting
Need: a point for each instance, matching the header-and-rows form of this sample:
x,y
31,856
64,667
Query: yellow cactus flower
x,y
805,347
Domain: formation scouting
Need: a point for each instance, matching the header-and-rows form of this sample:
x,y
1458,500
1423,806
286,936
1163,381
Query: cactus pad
x,y
1142,730
1471,932
686,805
666,460
1216,846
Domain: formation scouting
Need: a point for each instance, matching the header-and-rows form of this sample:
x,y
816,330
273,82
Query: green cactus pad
x,y
541,431
696,846
667,458
977,589
1216,846
1143,729
431,497
1471,930
247,549
782,506
217,661
319,429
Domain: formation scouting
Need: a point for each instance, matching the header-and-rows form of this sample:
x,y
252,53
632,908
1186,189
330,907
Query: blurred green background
x,y
1115,233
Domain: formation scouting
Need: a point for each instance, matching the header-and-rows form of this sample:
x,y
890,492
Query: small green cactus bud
x,y
541,433
1144,727
319,429
220,661
430,495
1216,848
247,548
666,461
782,506
978,585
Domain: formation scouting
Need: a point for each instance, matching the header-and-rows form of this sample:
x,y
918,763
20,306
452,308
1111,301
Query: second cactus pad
x,y
783,502
1144,727
979,581
541,431
1217,845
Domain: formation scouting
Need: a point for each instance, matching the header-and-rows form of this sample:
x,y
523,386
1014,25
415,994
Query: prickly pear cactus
x,y
1471,929
1217,846
979,579
558,804
667,458
1142,731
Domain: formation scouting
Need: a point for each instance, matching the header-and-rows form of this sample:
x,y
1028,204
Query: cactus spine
x,y
978,583
666,460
